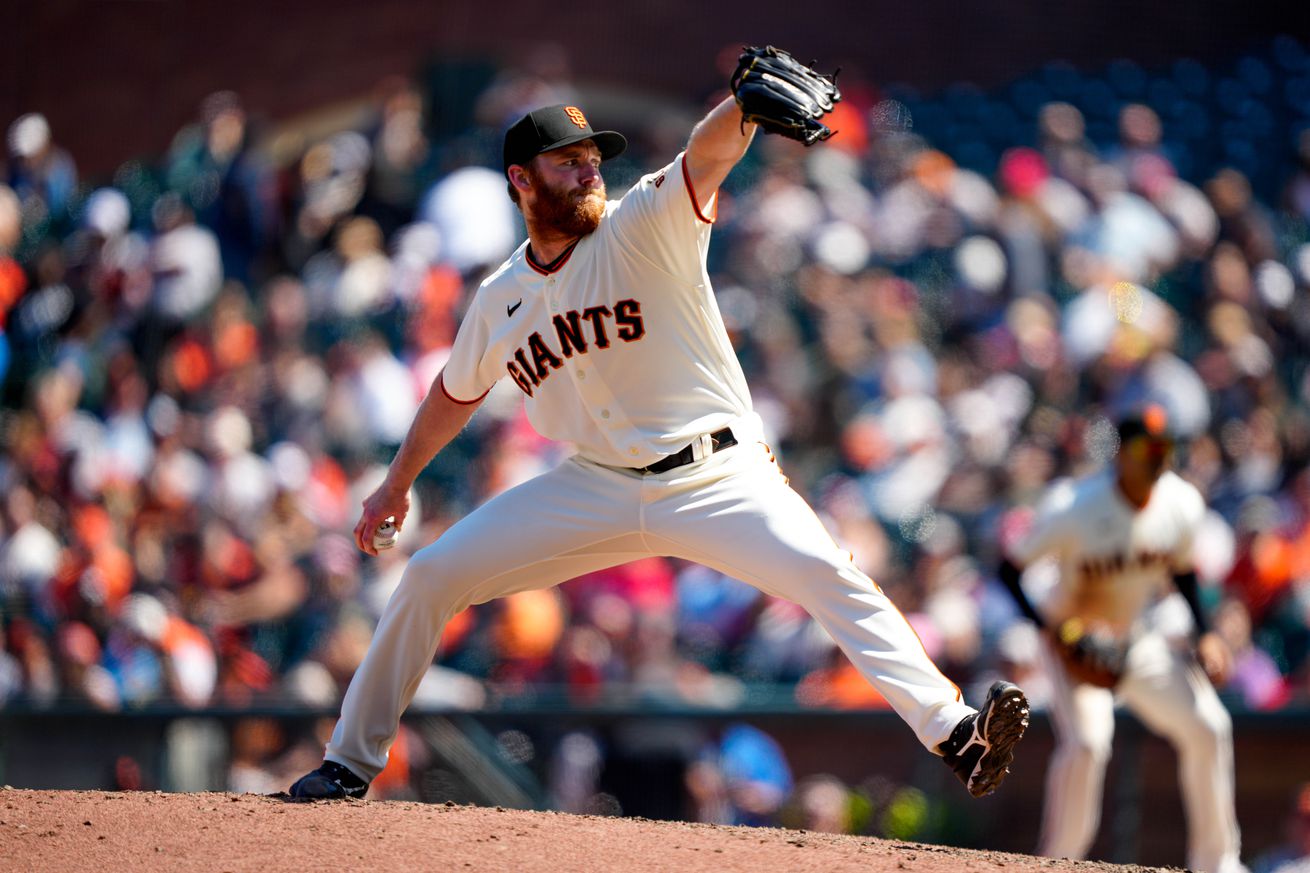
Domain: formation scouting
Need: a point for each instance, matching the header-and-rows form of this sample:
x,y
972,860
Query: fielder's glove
x,y
1088,655
782,95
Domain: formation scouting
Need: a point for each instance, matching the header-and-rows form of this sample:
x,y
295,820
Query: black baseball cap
x,y
554,127
1151,422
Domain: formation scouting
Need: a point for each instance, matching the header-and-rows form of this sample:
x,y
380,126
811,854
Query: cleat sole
x,y
1008,717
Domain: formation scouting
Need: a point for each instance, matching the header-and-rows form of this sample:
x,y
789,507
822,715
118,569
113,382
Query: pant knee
x,y
1209,736
431,584
1208,731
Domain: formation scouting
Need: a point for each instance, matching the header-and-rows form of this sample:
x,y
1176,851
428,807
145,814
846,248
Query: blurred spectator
x,y
12,279
1255,675
825,805
1242,219
1140,134
478,225
30,553
41,173
255,743
331,181
401,152
1062,132
742,779
214,168
353,278
186,263
575,773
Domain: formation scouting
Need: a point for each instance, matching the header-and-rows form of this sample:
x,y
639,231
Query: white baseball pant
x,y
732,511
1171,695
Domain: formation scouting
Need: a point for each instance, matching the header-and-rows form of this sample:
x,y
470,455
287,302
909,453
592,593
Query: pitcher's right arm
x,y
439,418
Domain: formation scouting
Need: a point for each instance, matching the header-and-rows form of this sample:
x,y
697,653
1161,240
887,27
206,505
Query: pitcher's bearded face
x,y
568,193
574,209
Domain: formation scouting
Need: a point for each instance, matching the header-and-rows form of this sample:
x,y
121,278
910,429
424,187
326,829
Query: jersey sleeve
x,y
1191,508
1052,529
664,217
469,374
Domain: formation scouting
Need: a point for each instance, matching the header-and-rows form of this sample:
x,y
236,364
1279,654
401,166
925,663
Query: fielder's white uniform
x,y
1115,562
619,348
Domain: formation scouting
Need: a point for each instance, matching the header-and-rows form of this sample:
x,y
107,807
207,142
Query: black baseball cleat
x,y
981,747
331,781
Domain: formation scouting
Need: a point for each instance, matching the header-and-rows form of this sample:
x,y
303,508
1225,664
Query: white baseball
x,y
385,535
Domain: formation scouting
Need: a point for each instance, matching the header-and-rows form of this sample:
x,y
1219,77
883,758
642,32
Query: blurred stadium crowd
x,y
208,359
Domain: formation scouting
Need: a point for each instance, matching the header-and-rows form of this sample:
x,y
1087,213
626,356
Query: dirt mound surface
x,y
106,832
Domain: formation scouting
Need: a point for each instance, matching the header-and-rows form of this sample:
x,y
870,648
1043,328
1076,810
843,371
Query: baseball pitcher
x,y
606,322
1120,537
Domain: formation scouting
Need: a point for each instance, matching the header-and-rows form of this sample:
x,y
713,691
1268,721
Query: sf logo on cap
x,y
575,115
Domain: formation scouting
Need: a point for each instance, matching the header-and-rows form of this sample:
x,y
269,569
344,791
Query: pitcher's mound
x,y
106,832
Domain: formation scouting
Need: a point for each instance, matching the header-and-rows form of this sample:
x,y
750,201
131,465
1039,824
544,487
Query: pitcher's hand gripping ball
x,y
385,536
782,95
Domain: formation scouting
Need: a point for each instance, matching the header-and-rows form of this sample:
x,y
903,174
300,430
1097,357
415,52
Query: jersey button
x,y
604,413
633,450
582,375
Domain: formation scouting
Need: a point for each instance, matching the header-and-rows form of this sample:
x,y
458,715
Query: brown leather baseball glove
x,y
1089,655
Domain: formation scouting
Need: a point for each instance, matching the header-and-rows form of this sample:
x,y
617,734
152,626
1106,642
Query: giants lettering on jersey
x,y
1101,568
573,333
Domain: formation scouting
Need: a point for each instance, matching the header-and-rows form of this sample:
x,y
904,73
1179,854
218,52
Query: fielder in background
x,y
1120,537
606,322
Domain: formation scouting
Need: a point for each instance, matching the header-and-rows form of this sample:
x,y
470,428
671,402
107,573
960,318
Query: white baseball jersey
x,y
618,346
1115,560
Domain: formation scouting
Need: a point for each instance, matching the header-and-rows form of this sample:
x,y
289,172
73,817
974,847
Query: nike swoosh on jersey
x,y
510,310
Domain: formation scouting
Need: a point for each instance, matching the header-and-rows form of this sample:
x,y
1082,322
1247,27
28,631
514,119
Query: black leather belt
x,y
720,440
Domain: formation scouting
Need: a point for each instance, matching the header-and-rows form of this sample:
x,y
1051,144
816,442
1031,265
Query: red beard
x,y
575,213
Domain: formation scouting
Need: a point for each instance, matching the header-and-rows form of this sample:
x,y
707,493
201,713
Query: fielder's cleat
x,y
981,747
331,781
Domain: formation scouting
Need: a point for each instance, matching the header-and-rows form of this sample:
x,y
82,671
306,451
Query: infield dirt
x,y
79,831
